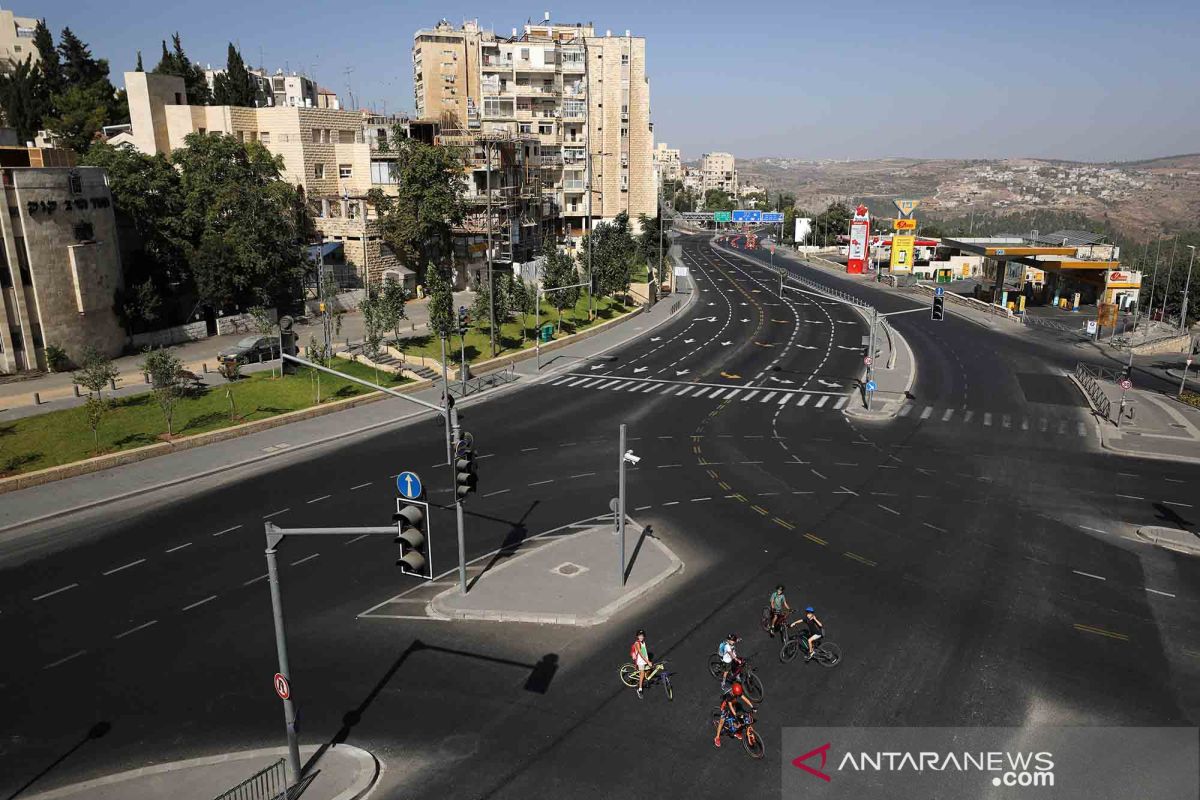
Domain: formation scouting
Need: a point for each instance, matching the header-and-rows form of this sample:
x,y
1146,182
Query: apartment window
x,y
525,127
345,171
178,99
318,171
524,53
265,137
624,131
16,48
624,58
381,172
546,128
346,137
5,271
202,131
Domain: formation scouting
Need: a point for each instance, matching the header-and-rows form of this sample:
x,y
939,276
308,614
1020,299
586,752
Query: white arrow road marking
x,y
640,369
829,384
726,344
597,366
655,338
688,341
712,304
781,380
681,372
743,304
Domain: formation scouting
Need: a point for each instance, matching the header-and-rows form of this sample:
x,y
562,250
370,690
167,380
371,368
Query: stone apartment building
x,y
280,88
719,171
583,98
16,40
60,265
668,163
335,155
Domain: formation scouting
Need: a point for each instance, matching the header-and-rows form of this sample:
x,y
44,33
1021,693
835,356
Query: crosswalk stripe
x,y
782,400
686,390
804,399
671,388
967,416
1024,424
1006,421
637,386
1082,429
716,393
821,402
606,384
651,388
733,394
590,384
619,386
750,395
987,420
561,381
904,412
1042,425
577,382
703,391
841,402
949,413
768,396
927,413
1062,426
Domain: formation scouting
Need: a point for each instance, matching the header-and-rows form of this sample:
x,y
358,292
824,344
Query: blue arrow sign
x,y
871,386
409,485
939,291
747,215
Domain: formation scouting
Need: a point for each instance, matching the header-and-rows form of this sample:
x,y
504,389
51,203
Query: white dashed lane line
x,y
1089,575
276,513
360,486
199,603
179,547
227,530
319,499
306,558
115,570
59,590
134,630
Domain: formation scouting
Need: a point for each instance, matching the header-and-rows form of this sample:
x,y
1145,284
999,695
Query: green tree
x,y
441,301
482,309
176,62
48,61
685,199
718,200
235,87
264,325
393,296
375,320
82,99
834,221
648,247
558,271
522,298
139,67
166,385
231,370
418,222
81,111
23,99
613,253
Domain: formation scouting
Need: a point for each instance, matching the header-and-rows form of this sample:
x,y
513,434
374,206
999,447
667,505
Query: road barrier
x,y
1086,375
269,783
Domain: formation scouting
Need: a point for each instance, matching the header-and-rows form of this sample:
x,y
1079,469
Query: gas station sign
x,y
902,253
860,232
904,224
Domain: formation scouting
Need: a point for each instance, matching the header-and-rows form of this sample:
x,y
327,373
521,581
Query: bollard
x,y
146,377
37,398
113,383
205,367
75,386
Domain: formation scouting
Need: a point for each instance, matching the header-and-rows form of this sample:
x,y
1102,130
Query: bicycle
x,y
741,672
743,723
827,654
658,675
764,621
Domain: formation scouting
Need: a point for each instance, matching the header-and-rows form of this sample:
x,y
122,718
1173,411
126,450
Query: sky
x,y
1094,81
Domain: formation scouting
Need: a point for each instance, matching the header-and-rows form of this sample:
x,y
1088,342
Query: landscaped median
x,y
136,424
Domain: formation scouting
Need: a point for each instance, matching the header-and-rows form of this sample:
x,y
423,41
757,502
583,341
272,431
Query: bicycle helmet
x,y
779,588
640,632
733,637
810,610
737,689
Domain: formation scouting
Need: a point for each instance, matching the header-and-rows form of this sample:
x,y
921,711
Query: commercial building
x,y
668,163
719,171
584,98
336,156
16,40
60,266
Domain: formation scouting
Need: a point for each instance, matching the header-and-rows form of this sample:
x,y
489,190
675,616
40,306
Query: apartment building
x,y
719,171
16,40
584,98
294,90
59,265
668,163
337,156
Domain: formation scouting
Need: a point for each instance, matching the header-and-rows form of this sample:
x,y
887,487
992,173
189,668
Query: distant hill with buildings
x,y
1138,198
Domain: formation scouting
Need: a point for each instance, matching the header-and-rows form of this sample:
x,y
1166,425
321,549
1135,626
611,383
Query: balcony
x,y
496,64
529,90
528,65
574,186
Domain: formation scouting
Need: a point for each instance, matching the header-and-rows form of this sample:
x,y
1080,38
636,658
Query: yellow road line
x,y
860,559
816,539
723,485
784,523
711,474
761,510
1101,632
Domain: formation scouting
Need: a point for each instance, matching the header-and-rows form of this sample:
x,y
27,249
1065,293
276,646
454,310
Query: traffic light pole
x,y
621,503
456,433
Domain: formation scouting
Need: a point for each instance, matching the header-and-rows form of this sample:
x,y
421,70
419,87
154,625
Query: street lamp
x,y
1186,287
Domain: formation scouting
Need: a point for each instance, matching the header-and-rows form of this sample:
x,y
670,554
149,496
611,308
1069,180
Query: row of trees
x,y
233,87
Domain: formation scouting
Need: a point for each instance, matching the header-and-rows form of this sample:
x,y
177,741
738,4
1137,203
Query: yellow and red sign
x,y
1123,279
904,224
902,253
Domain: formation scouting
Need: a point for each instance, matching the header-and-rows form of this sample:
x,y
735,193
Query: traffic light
x,y
939,311
287,344
464,471
410,524
464,320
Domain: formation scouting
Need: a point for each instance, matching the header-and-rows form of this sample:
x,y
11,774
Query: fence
x,y
266,784
854,301
1087,374
496,378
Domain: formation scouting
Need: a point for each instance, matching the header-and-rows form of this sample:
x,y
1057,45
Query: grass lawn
x,y
61,437
640,273
509,338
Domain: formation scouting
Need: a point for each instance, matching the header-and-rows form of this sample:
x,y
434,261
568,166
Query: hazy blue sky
x,y
1057,78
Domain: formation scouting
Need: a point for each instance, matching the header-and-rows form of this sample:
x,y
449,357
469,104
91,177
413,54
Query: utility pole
x,y
1154,280
621,501
491,286
1186,288
1170,272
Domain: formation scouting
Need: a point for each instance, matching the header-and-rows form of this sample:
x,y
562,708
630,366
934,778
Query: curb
x,y
366,775
1107,444
1155,535
603,614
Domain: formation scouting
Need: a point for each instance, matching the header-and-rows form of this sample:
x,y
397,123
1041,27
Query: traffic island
x,y
570,580
343,772
1171,538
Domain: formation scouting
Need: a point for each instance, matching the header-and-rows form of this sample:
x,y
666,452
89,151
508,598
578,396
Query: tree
x,y
163,367
96,371
648,247
23,99
613,252
231,370
264,325
375,321
558,271
718,200
393,298
48,61
418,222
81,111
483,309
82,99
235,87
834,221
441,301
176,62
685,199
522,298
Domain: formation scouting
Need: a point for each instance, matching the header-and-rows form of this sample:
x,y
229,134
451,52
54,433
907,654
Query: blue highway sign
x,y
745,215
772,216
409,485
871,386
939,291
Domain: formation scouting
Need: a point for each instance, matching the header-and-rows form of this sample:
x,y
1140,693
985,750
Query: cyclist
x,y
730,701
813,627
779,609
641,659
727,650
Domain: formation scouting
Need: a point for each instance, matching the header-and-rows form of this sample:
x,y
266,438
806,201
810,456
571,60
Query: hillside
x,y
1141,199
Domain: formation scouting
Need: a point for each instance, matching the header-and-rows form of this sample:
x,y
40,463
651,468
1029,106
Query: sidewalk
x,y
1154,425
56,388
572,580
221,461
344,772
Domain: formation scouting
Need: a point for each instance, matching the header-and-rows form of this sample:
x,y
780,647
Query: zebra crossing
x,y
999,421
826,401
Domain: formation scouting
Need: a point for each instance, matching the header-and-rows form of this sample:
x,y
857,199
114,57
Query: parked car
x,y
251,350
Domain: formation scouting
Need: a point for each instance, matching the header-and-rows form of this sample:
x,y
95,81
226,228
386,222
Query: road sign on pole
x,y
772,216
282,688
867,360
722,216
409,485
871,386
1126,384
906,207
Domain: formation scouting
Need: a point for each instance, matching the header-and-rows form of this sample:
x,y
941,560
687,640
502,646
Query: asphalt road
x,y
972,559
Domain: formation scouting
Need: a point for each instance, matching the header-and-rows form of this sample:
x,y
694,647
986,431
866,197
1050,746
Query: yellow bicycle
x,y
658,675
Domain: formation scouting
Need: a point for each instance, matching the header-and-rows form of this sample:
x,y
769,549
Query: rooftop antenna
x,y
349,92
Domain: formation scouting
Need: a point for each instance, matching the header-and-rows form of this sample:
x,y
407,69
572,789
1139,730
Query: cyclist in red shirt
x,y
641,659
730,702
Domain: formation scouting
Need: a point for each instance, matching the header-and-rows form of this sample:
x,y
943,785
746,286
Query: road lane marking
x,y
357,538
885,508
667,466
126,566
227,530
1093,530
642,508
141,627
824,399
262,577
1181,505
1156,591
700,499
1089,575
1131,497
319,499
493,494
860,559
934,527
927,413
814,472
581,475
528,449
277,513
179,547
62,661
672,503
761,510
363,485
540,483
199,603
783,523
56,591
306,558
814,538
844,490
1100,632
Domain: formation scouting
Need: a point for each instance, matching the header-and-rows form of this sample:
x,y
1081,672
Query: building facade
x,y
583,98
336,156
719,171
16,41
293,90
60,266
668,163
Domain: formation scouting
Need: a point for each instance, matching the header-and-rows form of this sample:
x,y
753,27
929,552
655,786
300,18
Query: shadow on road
x,y
1170,517
637,548
512,542
97,731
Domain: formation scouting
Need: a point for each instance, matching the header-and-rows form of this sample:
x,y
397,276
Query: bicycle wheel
x,y
629,675
716,666
828,655
753,742
789,651
765,621
667,687
753,686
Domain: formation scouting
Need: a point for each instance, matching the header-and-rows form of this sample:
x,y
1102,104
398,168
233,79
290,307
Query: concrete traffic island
x,y
569,580
343,772
1171,538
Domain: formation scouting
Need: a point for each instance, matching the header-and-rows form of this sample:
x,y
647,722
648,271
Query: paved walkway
x,y
571,580
342,773
1154,425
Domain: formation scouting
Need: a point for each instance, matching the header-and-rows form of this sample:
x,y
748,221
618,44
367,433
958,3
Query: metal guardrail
x,y
486,381
269,783
1087,374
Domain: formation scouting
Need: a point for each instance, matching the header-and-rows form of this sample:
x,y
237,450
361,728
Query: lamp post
x,y
1186,287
